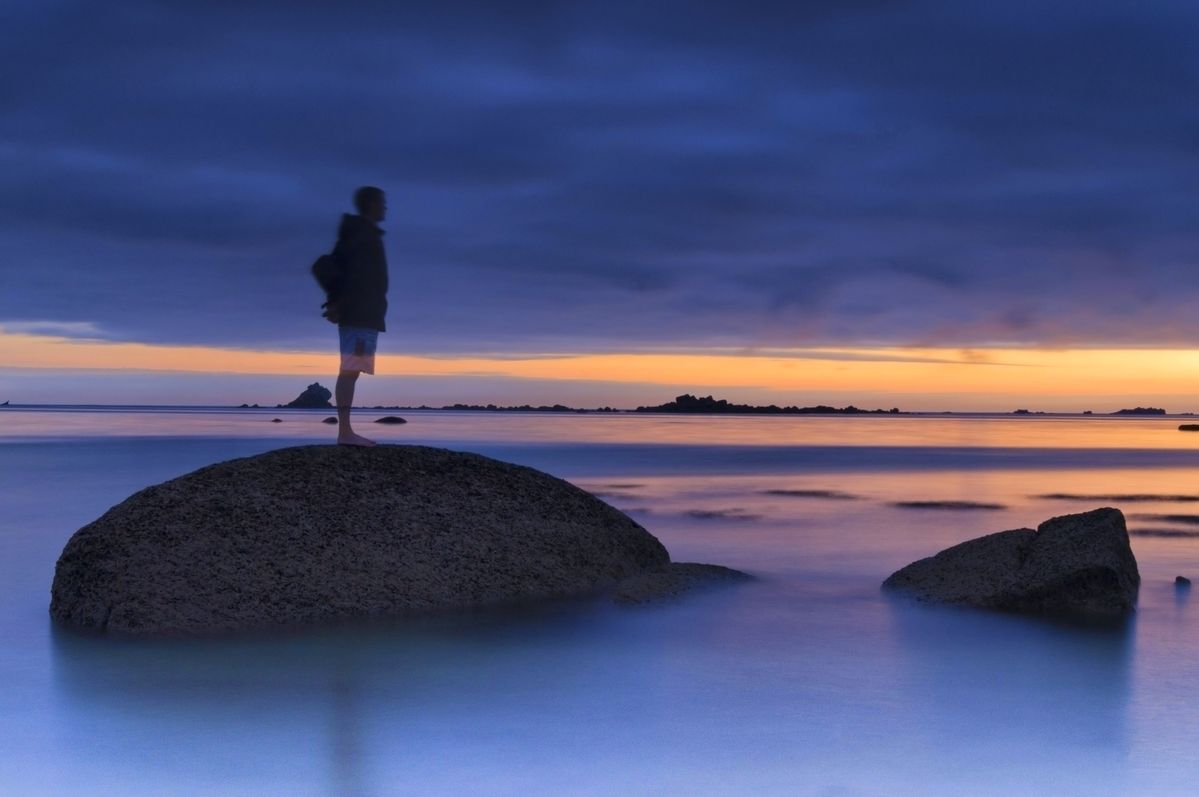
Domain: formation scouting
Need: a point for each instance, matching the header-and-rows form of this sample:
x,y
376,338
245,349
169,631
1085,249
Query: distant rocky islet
x,y
1141,411
315,396
708,405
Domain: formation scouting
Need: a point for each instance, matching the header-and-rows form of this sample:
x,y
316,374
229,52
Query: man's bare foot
x,y
351,439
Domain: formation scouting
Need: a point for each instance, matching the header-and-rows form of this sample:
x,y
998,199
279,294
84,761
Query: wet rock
x,y
1182,582
316,534
393,419
330,420
1073,565
673,580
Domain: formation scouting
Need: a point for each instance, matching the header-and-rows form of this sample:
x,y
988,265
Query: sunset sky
x,y
949,205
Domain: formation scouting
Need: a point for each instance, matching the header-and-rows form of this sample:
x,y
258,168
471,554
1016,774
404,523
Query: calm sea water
x,y
807,681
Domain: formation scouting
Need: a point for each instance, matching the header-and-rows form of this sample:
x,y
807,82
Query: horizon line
x,y
1125,412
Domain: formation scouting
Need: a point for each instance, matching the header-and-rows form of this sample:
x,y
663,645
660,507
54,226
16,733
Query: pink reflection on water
x,y
885,430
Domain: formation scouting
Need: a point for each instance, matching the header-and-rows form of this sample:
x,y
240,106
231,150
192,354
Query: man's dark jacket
x,y
361,291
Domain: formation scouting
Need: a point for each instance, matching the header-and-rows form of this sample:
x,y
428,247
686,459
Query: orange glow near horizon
x,y
892,370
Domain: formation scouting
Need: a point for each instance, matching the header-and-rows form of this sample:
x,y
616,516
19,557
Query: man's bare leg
x,y
343,394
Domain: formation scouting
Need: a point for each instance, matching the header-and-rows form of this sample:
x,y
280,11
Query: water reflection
x,y
300,714
346,735
1182,594
1004,680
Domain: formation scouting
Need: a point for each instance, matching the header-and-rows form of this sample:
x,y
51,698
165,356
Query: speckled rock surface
x,y
1080,565
315,534
672,581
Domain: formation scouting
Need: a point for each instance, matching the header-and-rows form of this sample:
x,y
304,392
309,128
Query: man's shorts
x,y
358,348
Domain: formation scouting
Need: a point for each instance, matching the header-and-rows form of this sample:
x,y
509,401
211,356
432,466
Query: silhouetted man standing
x,y
358,303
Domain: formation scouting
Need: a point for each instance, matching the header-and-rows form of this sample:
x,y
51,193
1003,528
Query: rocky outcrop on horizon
x,y
1141,411
688,403
317,534
315,396
1075,565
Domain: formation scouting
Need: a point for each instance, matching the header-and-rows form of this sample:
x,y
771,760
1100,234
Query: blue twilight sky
x,y
607,176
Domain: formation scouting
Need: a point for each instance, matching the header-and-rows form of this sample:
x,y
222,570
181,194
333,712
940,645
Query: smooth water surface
x,y
805,681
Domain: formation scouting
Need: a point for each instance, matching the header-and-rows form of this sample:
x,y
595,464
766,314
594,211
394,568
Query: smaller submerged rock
x,y
673,580
1073,565
1182,582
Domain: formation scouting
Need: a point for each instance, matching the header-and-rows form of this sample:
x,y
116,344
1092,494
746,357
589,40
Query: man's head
x,y
371,203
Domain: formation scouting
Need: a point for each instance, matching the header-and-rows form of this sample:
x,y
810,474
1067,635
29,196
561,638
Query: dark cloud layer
x,y
590,175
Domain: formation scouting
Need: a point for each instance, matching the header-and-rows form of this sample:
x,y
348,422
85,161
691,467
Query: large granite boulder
x,y
314,534
1077,565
